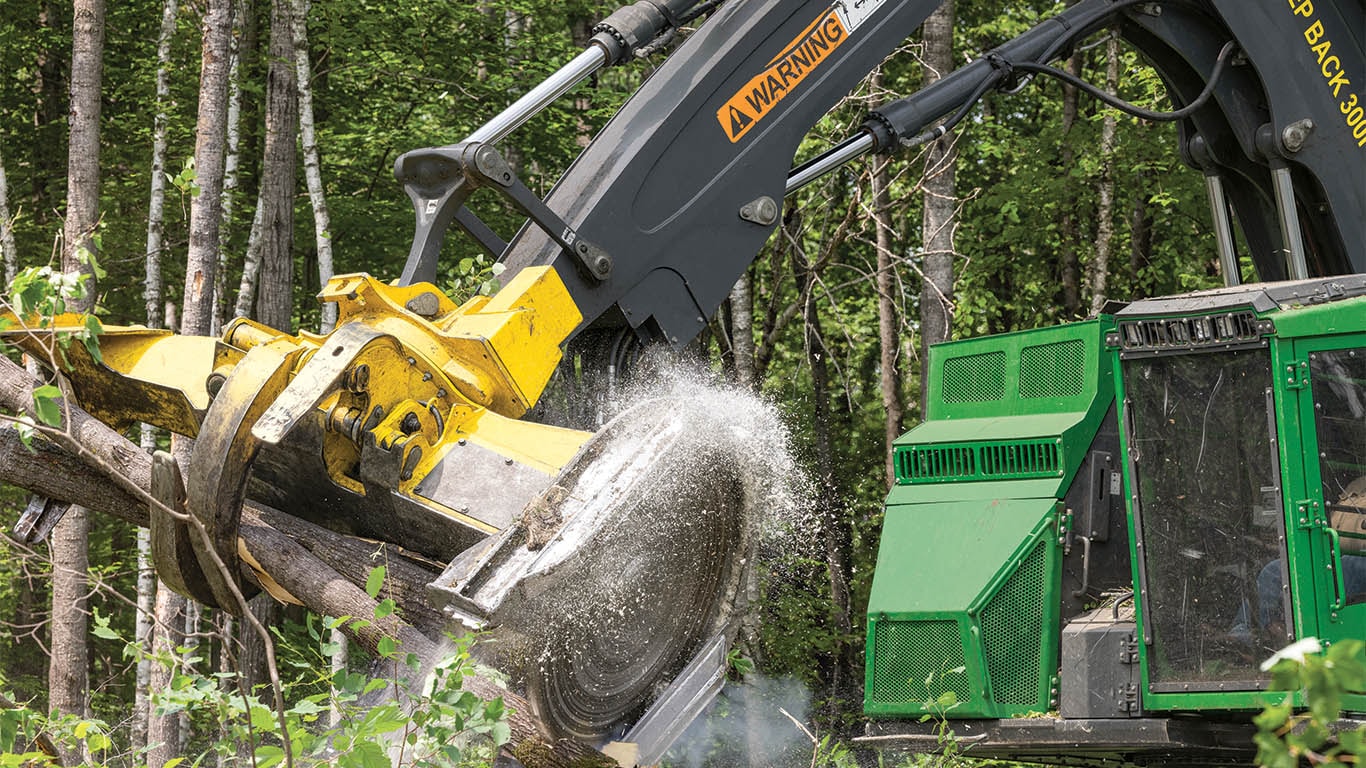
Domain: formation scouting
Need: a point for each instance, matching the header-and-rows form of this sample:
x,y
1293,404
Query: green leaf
x,y
46,406
386,646
375,580
385,607
102,630
93,329
268,755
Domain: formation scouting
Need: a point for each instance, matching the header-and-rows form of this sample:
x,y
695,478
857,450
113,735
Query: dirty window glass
x,y
1210,514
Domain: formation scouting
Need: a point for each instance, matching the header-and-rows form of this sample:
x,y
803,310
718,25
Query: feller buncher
x,y
1155,499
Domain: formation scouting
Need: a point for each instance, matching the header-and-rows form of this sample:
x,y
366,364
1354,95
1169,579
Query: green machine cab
x,y
1102,529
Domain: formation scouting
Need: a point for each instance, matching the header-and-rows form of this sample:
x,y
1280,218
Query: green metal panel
x,y
1046,370
921,563
1017,612
1346,316
918,661
935,493
995,606
1016,406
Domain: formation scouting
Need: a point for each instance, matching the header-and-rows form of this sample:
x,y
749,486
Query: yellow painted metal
x,y
145,374
498,351
540,446
422,375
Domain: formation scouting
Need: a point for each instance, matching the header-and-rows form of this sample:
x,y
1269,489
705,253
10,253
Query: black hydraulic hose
x,y
1220,64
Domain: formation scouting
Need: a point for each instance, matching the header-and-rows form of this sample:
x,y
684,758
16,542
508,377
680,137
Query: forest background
x,y
1035,211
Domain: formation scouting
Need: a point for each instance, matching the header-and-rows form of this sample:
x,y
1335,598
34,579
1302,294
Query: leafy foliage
x,y
1319,679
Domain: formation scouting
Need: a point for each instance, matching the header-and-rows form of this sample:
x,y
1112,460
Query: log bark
x,y
323,569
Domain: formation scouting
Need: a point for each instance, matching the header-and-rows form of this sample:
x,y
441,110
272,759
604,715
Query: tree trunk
x,y
322,222
888,310
275,299
163,731
68,673
230,160
939,219
337,662
1140,233
83,149
145,632
206,209
1105,192
157,203
1071,239
8,251
742,331
142,628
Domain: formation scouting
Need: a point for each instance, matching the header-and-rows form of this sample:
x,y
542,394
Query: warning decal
x,y
785,71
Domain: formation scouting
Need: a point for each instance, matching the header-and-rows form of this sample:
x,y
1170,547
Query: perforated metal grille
x,y
965,462
937,463
1012,624
975,378
1053,370
907,653
1019,458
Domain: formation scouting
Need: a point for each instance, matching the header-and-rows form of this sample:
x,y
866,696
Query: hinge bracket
x,y
1297,374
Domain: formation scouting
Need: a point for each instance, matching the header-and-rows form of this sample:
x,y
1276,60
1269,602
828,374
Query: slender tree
x,y
156,207
68,671
275,300
206,209
49,79
1105,185
1069,249
888,301
742,331
8,251
939,218
152,295
230,178
308,138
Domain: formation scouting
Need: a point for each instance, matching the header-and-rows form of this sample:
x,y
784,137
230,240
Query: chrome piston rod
x,y
586,63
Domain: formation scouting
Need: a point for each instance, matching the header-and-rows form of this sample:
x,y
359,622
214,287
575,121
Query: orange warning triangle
x,y
739,121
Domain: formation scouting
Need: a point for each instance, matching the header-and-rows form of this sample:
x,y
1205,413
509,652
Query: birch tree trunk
x,y
322,223
156,206
142,628
1105,192
275,295
742,330
8,250
163,731
939,218
68,671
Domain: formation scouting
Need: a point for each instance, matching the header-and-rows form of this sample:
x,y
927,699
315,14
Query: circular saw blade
x,y
646,565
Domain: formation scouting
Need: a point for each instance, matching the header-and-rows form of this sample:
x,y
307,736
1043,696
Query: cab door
x,y
1330,379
